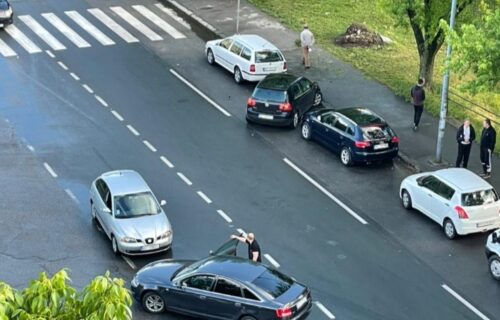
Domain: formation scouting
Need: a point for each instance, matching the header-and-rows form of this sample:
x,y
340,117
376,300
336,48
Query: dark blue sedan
x,y
357,134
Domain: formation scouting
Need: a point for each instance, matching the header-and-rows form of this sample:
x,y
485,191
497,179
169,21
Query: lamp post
x,y
238,17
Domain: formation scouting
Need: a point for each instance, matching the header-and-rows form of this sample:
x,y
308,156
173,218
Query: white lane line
x,y
86,87
195,17
5,50
132,129
50,170
90,28
326,192
32,149
117,115
271,260
165,161
50,54
173,15
134,22
204,197
112,25
184,178
151,16
22,39
129,262
62,65
204,96
324,310
75,76
72,196
149,145
465,302
42,32
101,101
66,30
224,216
241,232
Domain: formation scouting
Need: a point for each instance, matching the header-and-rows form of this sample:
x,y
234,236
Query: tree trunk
x,y
426,69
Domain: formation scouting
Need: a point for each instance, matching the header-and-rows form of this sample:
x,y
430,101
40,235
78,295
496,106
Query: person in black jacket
x,y
465,136
488,140
417,94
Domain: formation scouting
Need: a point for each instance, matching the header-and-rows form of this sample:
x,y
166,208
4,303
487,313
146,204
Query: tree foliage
x,y
53,298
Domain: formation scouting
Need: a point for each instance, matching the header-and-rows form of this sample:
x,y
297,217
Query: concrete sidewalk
x,y
342,84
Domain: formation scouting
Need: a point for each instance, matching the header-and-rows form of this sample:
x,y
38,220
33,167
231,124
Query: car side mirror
x,y
494,237
163,202
211,252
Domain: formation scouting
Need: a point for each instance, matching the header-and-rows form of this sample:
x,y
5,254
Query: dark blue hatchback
x,y
357,134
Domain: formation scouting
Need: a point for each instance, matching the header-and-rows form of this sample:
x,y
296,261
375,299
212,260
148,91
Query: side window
x,y
225,287
445,191
236,48
99,184
246,54
328,119
305,84
350,130
249,295
296,91
341,124
431,183
202,282
226,43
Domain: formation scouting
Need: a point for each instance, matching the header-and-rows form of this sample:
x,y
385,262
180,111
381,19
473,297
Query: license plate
x,y
301,302
381,146
269,69
150,247
1,25
484,224
266,116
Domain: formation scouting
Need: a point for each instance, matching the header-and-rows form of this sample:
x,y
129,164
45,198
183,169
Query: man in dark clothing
x,y
488,140
254,252
417,94
465,137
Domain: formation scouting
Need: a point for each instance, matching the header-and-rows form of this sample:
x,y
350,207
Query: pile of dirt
x,y
358,35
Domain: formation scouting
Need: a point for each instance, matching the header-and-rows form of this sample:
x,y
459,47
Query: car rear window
x,y
268,56
269,95
478,198
273,282
377,132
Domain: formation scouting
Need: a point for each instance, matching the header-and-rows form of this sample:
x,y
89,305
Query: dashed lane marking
x,y
118,116
183,177
101,100
50,54
72,196
29,146
129,262
204,197
224,216
86,87
271,260
149,145
132,129
324,310
62,65
74,76
464,302
165,161
50,170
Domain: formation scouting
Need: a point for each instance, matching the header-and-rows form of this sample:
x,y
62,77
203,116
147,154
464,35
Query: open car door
x,y
229,248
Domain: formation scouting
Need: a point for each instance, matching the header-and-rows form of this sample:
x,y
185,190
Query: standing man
x,y
488,140
306,41
254,252
417,94
465,137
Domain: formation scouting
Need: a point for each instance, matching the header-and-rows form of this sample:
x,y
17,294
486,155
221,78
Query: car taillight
x,y
395,139
284,312
252,68
251,103
286,107
362,144
284,65
462,214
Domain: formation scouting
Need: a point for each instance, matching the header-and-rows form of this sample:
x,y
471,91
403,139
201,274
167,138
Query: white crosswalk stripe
x,y
66,30
5,50
138,25
90,28
42,32
22,39
159,21
173,15
112,25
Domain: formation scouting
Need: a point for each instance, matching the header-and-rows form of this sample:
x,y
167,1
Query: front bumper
x,y
139,248
4,21
281,120
389,154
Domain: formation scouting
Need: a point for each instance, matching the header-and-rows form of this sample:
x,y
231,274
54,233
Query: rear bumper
x,y
257,77
280,120
360,156
468,227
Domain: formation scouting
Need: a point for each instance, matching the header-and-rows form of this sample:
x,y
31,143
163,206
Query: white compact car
x,y
456,198
493,254
249,57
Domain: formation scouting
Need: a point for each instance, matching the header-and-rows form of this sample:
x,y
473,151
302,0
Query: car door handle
x,y
430,195
237,304
203,297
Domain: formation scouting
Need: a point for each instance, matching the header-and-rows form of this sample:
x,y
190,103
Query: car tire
x,y
210,56
406,200
152,302
306,131
247,318
295,120
449,229
318,98
238,77
346,157
114,245
95,222
494,266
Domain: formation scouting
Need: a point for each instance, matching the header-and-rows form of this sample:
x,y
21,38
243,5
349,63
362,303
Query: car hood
x,y
4,6
160,272
144,227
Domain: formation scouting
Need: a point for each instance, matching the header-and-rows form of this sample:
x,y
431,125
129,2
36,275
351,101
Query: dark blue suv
x,y
357,134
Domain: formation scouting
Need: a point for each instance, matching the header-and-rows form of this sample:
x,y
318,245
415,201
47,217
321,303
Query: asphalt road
x,y
393,267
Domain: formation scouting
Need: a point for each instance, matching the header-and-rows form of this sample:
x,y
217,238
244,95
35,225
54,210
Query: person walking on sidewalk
x,y
417,94
465,137
488,140
254,252
306,42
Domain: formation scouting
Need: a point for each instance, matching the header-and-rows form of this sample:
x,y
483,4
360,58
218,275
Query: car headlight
x,y
166,234
128,240
7,13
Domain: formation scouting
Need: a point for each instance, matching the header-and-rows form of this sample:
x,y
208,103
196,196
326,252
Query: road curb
x,y
409,162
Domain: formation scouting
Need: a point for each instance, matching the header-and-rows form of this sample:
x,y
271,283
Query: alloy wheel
x,y
306,131
406,200
317,99
210,57
495,267
345,156
295,119
237,75
449,229
154,303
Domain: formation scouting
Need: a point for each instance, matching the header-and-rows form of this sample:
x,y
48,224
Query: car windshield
x,y
269,95
136,205
377,132
478,198
273,282
268,56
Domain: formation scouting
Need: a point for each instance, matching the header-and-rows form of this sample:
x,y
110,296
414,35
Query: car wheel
x,y
152,302
114,245
210,56
449,229
295,120
346,157
494,263
318,98
306,131
406,200
247,318
237,75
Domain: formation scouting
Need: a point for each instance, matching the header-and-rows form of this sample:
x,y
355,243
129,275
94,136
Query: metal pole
x,y
238,17
444,90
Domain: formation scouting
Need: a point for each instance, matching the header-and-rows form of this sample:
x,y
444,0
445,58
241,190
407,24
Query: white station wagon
x,y
456,198
249,57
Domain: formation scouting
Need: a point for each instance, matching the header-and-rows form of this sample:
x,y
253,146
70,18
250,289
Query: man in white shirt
x,y
465,136
306,41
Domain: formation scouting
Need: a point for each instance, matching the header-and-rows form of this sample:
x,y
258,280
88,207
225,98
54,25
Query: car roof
x,y
278,81
255,42
462,179
232,267
361,116
124,182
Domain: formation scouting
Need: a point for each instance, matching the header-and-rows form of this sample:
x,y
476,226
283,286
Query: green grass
x,y
395,65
